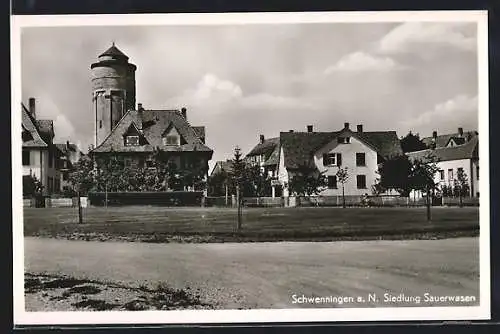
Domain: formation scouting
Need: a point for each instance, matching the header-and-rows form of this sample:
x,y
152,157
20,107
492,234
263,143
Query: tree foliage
x,y
411,143
395,174
82,175
403,175
31,185
111,174
307,181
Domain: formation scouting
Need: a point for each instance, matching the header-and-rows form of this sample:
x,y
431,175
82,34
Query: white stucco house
x,y
40,157
453,152
361,152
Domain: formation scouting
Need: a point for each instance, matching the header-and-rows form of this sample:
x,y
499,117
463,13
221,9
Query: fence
x,y
197,199
165,198
337,201
467,201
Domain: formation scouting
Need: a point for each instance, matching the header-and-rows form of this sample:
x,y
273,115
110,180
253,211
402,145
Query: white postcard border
x,y
21,317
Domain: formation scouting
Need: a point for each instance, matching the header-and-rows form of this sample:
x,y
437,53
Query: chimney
x,y
460,132
139,107
32,109
360,128
434,139
346,125
67,145
183,112
309,128
262,139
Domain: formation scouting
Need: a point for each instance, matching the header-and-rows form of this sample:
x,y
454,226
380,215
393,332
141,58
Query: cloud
x,y
63,128
420,36
361,61
461,111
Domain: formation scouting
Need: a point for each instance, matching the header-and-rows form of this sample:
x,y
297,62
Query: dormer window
x,y
171,140
132,141
344,140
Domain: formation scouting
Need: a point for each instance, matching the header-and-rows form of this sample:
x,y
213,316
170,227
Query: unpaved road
x,y
267,275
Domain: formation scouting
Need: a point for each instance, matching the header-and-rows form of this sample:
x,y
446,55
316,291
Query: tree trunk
x,y
80,220
428,205
238,201
343,196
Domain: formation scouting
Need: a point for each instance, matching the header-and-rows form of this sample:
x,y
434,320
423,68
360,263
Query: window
x,y
332,182
450,174
343,140
100,123
361,181
150,164
332,159
171,140
441,174
460,170
65,176
132,141
26,158
127,162
477,173
360,159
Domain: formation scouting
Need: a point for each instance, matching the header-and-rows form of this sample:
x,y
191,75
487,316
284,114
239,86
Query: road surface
x,y
269,275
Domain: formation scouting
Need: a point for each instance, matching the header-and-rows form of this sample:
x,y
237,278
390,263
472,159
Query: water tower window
x,y
132,141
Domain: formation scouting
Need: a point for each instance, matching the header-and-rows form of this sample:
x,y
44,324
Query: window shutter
x,y
325,158
339,159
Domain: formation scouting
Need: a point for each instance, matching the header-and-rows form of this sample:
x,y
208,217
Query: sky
x,y
240,81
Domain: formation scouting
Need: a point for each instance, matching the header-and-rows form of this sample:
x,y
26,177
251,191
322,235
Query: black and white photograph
x,y
284,167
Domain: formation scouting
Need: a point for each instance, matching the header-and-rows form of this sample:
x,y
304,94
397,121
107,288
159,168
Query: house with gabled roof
x,y
361,152
70,154
40,156
137,135
453,152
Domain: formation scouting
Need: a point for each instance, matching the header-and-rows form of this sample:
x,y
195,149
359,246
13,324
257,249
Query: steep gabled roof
x,y
152,124
265,148
442,140
200,130
222,166
386,143
274,157
46,128
469,150
299,147
31,125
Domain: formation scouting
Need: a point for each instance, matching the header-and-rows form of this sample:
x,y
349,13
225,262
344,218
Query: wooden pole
x,y
225,186
106,194
238,201
80,219
343,196
428,205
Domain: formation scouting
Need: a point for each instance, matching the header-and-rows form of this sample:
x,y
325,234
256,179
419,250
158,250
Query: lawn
x,y
160,224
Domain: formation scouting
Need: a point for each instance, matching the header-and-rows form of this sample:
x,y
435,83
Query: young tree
x,y
342,177
238,175
307,180
31,185
395,174
82,175
411,143
422,178
461,186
